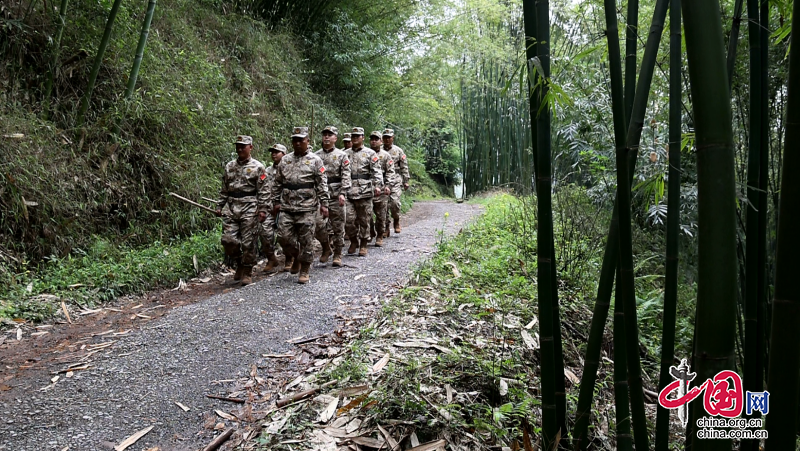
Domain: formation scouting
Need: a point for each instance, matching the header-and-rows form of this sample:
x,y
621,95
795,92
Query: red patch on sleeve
x,y
403,157
346,162
322,169
391,162
263,176
375,158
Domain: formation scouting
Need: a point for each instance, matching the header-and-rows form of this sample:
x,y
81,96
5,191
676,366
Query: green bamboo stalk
x,y
137,60
631,35
673,221
784,369
753,372
717,285
621,406
733,41
610,256
48,88
98,60
592,360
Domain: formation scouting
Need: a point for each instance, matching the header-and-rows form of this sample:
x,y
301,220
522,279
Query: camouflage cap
x,y
300,132
331,129
244,139
388,132
357,131
346,137
278,148
375,134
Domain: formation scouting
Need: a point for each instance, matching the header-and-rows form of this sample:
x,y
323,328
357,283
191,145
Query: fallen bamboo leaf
x,y
392,442
90,312
532,323
380,364
14,136
359,277
449,390
529,341
224,415
456,272
132,439
355,391
369,442
430,446
351,405
66,313
185,409
571,376
329,411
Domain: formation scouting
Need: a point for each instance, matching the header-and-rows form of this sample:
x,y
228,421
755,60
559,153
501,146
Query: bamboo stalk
x,y
784,369
716,288
48,89
733,41
673,221
98,60
621,400
631,35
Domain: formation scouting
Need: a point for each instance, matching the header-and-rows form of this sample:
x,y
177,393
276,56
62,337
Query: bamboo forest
x,y
581,213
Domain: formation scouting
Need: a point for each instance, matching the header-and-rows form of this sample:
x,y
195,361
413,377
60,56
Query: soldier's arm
x,y
277,185
346,182
223,192
377,173
403,163
321,182
390,172
263,189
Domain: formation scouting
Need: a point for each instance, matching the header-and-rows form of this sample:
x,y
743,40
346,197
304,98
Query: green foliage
x,y
101,273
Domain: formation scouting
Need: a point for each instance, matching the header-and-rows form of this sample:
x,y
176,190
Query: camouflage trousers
x,y
240,234
380,205
359,213
267,235
296,229
394,200
322,228
332,229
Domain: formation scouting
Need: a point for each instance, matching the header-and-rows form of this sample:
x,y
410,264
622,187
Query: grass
x,y
103,272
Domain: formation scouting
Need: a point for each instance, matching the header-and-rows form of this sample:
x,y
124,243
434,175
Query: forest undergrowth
x,y
455,355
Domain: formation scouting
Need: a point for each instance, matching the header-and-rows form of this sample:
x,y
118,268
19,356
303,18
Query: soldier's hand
x,y
386,190
275,209
262,216
218,212
324,210
341,200
405,186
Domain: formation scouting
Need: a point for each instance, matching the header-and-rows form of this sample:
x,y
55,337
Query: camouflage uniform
x,y
337,170
300,188
243,192
365,174
380,204
401,176
268,228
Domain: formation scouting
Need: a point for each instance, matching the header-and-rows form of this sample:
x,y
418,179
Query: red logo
x,y
322,169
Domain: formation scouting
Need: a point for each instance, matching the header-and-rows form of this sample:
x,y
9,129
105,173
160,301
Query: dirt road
x,y
183,353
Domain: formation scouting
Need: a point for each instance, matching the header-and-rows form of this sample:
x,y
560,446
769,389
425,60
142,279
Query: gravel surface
x,y
179,356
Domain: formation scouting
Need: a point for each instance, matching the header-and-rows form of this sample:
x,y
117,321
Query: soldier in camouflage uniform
x,y
300,189
367,180
348,142
337,170
243,193
268,227
399,182
380,204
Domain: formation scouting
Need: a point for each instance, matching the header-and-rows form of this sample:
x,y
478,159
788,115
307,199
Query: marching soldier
x,y
337,170
366,179
380,204
246,200
268,227
300,189
400,179
348,143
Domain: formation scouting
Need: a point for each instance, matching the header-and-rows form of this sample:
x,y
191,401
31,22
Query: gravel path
x,y
178,357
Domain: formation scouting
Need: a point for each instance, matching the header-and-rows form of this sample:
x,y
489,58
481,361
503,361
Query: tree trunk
x,y
716,288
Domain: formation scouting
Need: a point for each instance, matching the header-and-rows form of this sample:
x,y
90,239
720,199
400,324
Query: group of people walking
x,y
305,195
